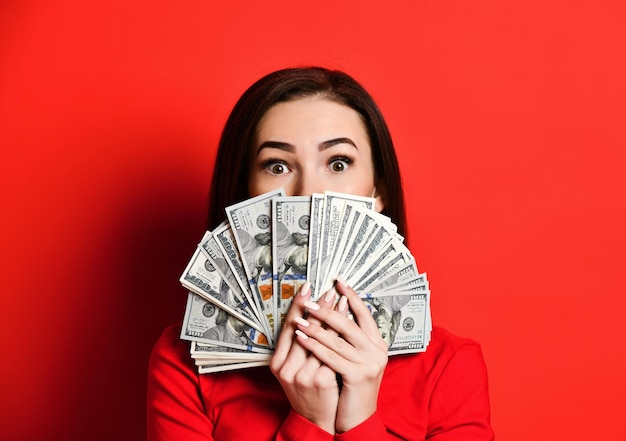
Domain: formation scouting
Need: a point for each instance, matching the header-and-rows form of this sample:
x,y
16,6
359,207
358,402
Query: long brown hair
x,y
230,177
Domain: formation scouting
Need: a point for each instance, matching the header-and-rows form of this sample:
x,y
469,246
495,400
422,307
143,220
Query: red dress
x,y
440,394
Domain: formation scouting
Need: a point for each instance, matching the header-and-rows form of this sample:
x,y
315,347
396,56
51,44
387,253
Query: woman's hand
x,y
310,386
354,350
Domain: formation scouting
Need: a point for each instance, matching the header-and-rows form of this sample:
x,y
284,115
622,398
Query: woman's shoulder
x,y
171,353
444,340
169,343
448,383
444,347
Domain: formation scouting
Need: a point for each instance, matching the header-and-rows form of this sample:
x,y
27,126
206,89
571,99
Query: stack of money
x,y
244,274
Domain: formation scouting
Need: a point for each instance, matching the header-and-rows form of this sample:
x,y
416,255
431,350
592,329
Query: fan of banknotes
x,y
244,274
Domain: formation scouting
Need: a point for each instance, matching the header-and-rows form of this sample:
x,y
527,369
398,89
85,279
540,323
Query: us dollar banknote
x,y
334,205
212,251
205,322
243,275
202,277
290,249
251,223
401,321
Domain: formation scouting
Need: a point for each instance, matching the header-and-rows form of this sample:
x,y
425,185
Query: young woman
x,y
309,130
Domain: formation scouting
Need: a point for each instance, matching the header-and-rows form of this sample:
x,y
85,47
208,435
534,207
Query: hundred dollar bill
x,y
334,204
214,253
383,245
344,238
401,321
251,223
225,241
231,366
202,277
378,231
350,220
204,350
405,280
228,364
317,210
414,286
385,269
207,355
221,361
291,217
365,226
204,322
343,255
331,264
226,358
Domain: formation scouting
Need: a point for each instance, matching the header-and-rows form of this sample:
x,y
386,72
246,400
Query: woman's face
x,y
311,145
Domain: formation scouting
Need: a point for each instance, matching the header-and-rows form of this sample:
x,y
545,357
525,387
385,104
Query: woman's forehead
x,y
309,112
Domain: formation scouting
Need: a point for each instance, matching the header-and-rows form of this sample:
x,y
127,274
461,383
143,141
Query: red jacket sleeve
x,y
297,428
459,405
175,409
370,429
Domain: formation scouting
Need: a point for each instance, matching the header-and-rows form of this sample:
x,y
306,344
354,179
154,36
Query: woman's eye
x,y
277,168
339,165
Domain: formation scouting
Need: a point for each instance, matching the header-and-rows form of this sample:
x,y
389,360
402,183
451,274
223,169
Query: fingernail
x,y
343,304
301,334
341,281
330,296
311,305
305,289
302,322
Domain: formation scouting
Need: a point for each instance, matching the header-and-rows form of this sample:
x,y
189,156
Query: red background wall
x,y
509,122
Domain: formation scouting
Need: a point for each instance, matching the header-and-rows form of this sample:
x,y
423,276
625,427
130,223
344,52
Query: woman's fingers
x,y
360,334
285,344
311,387
329,302
289,356
359,309
354,350
341,340
327,334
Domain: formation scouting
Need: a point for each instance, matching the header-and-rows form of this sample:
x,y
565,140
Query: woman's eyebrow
x,y
332,142
285,146
276,145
